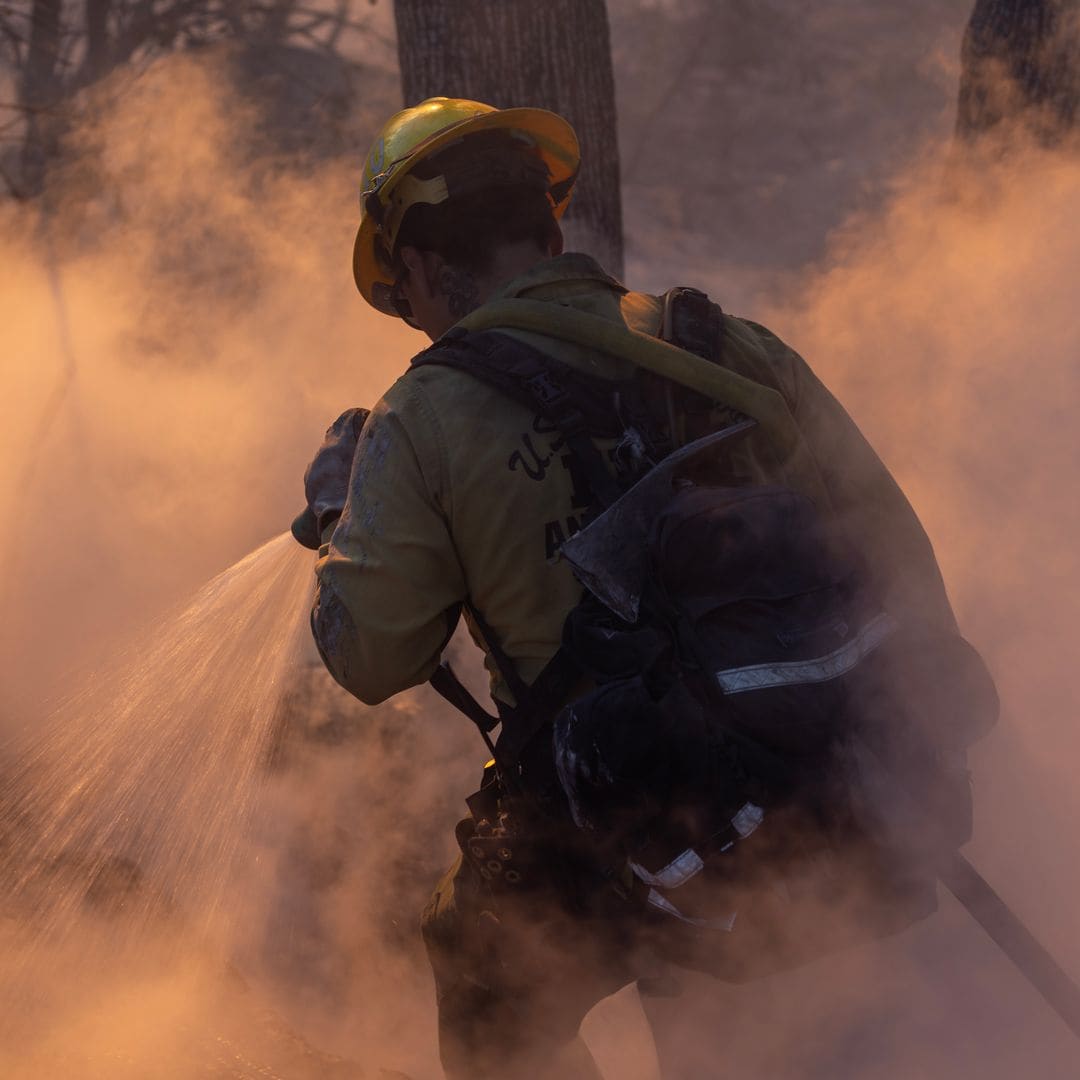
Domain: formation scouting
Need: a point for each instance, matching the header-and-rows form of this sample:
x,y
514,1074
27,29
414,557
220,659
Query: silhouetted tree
x,y
58,49
1021,61
555,55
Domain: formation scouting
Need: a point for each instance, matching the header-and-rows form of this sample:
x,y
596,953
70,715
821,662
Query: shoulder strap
x,y
573,403
578,406
692,322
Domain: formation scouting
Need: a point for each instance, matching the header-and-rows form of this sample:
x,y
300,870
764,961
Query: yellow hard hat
x,y
413,135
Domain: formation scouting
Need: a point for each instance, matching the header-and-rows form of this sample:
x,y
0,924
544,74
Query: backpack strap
x,y
693,322
576,405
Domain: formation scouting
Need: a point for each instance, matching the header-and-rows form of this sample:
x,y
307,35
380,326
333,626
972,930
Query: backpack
x,y
747,698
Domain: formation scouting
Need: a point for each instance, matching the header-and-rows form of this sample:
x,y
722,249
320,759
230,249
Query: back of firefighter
x,y
459,498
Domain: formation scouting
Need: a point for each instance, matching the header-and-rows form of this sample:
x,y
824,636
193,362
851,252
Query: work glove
x,y
326,482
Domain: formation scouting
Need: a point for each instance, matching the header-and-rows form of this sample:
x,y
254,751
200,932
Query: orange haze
x,y
178,325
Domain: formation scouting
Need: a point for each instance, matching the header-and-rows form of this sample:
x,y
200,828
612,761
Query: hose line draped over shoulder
x,y
764,404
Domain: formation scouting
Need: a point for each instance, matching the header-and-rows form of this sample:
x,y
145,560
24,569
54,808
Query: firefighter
x,y
449,500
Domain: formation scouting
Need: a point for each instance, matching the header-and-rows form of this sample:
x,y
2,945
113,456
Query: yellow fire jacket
x,y
460,493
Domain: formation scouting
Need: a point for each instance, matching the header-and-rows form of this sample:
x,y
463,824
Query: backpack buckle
x,y
544,388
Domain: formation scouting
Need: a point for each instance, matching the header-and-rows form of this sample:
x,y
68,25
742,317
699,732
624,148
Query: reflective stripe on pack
x,y
749,817
821,669
727,923
677,872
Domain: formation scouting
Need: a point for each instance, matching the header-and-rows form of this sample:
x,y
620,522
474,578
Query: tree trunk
x,y
1021,62
39,93
97,39
555,55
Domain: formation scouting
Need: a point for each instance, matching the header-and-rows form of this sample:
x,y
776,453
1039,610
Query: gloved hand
x,y
326,482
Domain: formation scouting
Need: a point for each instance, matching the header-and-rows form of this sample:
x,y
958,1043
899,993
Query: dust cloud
x,y
947,324
179,325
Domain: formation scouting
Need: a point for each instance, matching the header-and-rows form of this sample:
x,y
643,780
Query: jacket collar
x,y
572,268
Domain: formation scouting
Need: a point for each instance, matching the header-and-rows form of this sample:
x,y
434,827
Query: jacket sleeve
x,y
389,584
875,513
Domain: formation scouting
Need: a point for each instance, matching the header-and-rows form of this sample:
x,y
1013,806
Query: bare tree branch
x,y
15,190
58,48
97,38
31,109
39,84
340,18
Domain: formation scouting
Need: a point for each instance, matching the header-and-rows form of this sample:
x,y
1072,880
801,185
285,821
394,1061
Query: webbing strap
x,y
537,381
545,695
518,687
692,322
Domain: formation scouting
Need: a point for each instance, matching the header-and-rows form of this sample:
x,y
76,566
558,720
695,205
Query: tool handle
x,y
1014,939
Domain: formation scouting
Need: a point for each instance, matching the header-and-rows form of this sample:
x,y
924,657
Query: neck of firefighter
x,y
440,293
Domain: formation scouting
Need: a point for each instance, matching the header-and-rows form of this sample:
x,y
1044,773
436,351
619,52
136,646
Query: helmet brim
x,y
555,140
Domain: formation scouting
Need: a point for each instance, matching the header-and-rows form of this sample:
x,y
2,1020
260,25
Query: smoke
x,y
939,307
946,323
948,328
179,325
